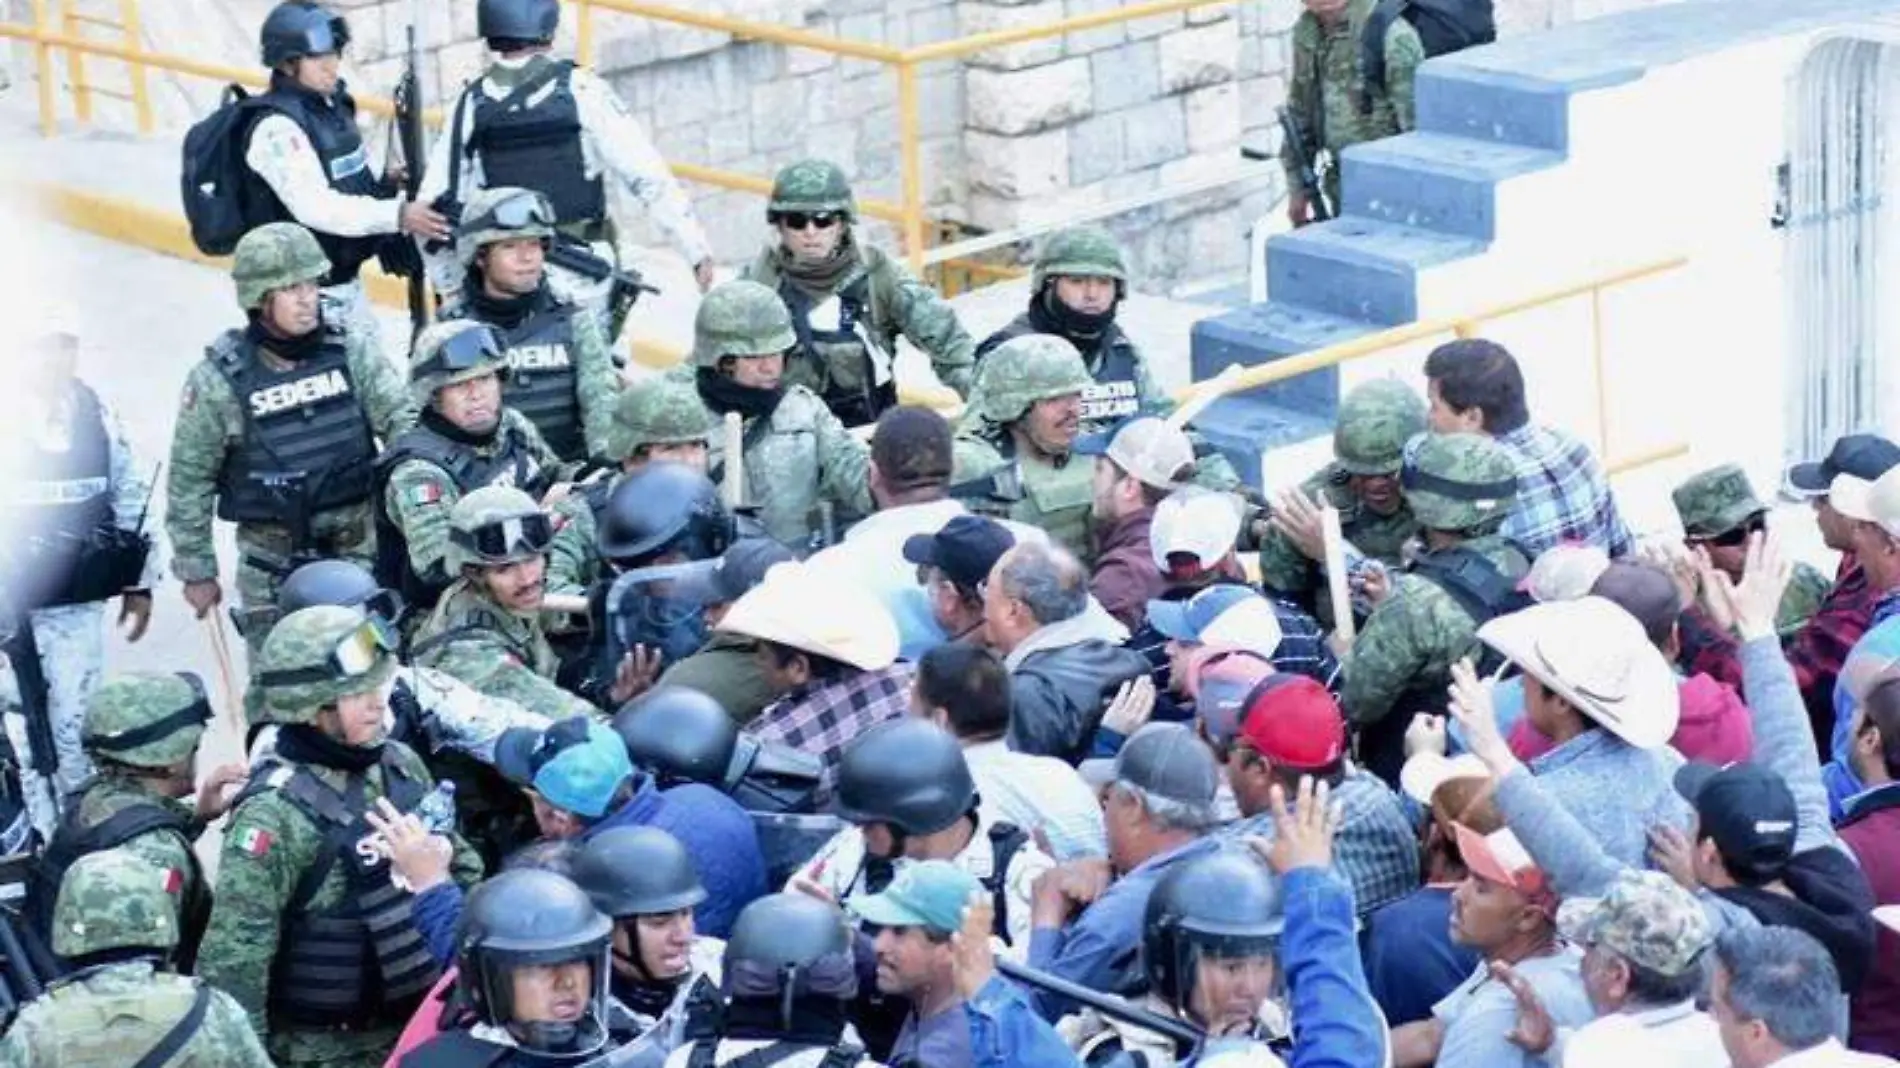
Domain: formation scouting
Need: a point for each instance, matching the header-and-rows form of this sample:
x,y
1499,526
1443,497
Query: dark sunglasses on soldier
x,y
1736,538
803,220
498,541
515,213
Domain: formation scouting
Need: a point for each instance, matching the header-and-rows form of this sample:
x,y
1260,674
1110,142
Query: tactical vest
x,y
149,1026
705,1054
331,127
513,464
538,146
841,360
1055,498
61,500
543,382
1116,394
306,436
359,962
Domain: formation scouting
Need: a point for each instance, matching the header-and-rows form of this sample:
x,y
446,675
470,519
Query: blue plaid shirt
x,y
1561,494
1377,848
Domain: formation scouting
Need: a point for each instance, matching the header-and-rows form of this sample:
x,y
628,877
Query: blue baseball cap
x,y
929,893
576,764
1227,615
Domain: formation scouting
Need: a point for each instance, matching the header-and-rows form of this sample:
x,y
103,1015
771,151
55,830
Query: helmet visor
x,y
355,655
526,535
467,350
517,212
324,37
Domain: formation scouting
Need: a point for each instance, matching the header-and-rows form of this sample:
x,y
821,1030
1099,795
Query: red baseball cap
x,y
1292,721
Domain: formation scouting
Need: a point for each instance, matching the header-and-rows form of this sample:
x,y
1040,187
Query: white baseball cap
x,y
1424,773
1154,451
1565,571
1596,656
1876,502
1196,522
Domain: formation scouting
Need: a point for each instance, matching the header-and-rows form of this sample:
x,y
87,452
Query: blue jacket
x,y
1005,1031
717,834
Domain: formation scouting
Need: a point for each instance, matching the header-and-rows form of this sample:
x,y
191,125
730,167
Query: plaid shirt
x,y
823,717
1561,494
1302,649
1377,848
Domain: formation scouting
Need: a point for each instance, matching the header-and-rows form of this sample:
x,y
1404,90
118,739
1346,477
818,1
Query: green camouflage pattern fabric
x,y
1417,632
991,477
1807,588
1716,501
480,228
574,554
1466,459
660,410
272,257
306,639
110,793
1375,421
486,507
421,495
268,846
740,318
1290,572
1024,370
805,456
597,382
812,185
426,375
897,305
130,702
1643,917
494,650
114,899
1078,252
111,1017
1324,96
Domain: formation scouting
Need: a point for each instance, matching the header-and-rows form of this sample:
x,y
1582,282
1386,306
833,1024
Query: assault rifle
x,y
409,138
571,254
1308,174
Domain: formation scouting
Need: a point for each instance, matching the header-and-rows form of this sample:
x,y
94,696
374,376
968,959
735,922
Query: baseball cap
x,y
930,893
1500,858
1564,572
965,549
741,567
1227,614
1164,759
576,763
1864,456
1644,918
1646,592
1745,808
1152,450
1597,657
1195,522
799,607
1219,680
1425,772
1293,722
1876,502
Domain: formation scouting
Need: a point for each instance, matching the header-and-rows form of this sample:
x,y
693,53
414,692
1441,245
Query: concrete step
x,y
1359,268
1435,181
1493,105
1245,426
1262,333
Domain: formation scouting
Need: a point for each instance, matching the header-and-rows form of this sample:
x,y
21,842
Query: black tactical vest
x,y
538,146
61,500
838,365
331,126
1110,360
542,382
305,433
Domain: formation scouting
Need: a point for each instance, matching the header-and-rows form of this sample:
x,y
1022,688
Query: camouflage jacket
x,y
107,795
1414,636
493,650
805,456
1807,588
1288,571
1328,87
574,554
210,425
992,478
116,1013
420,494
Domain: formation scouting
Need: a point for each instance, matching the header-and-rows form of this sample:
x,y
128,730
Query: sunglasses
x,y
528,534
803,220
517,212
355,655
1733,539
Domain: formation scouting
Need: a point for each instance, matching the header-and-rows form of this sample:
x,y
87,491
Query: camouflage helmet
x,y
116,899
146,719
660,410
452,351
1027,369
1716,501
316,656
1375,421
1459,482
811,185
503,213
272,257
740,318
1079,252
496,525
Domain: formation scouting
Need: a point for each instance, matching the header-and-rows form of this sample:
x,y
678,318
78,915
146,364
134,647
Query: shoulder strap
x,y
331,812
128,823
181,1032
1471,580
1006,840
457,143
429,644
761,426
842,1055
1372,48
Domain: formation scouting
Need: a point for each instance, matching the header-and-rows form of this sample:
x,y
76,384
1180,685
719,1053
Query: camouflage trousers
x,y
263,564
71,641
332,1049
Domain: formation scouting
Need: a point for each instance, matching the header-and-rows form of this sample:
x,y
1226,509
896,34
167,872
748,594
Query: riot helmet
x,y
339,582
681,735
1222,906
637,871
494,526
662,508
316,656
117,900
299,28
146,719
523,918
522,21
789,947
908,774
1459,483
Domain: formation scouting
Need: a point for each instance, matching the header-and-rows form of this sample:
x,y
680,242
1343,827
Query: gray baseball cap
x,y
1167,760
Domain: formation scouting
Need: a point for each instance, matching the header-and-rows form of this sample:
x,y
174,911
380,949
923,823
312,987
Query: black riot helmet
x,y
909,774
338,582
1221,906
787,947
299,28
527,21
637,871
523,918
661,508
681,735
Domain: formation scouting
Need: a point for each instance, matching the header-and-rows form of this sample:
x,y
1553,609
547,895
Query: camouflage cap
x,y
1645,918
1079,252
1716,501
487,507
741,318
1375,421
116,899
1459,482
298,667
812,185
146,719
501,213
430,368
272,257
1027,369
660,410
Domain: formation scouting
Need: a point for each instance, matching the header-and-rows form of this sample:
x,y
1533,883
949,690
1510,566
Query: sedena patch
x,y
255,841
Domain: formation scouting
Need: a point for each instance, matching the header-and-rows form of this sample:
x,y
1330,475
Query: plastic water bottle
x,y
437,811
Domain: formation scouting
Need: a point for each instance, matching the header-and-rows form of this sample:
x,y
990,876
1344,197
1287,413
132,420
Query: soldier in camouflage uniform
x,y
465,438
310,933
116,921
1460,487
487,629
796,453
1719,510
849,301
1333,101
1015,454
1375,421
562,373
277,429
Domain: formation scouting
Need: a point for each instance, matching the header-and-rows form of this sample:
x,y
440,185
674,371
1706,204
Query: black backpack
x,y
213,179
1443,26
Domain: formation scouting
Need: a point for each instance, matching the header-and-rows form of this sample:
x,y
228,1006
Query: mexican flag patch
x,y
174,880
427,493
255,841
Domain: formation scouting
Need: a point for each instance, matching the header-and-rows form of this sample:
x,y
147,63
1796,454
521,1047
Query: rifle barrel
x,y
1107,1004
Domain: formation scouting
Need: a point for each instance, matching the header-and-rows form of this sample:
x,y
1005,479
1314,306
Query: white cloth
x,y
1667,1037
872,553
282,155
1831,1054
1039,792
71,640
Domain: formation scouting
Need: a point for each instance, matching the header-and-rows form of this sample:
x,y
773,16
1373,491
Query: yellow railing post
x,y
43,65
910,150
1603,377
1465,329
76,66
141,92
584,33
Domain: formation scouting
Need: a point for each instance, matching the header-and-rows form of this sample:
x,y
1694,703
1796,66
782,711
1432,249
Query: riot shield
x,y
788,840
661,608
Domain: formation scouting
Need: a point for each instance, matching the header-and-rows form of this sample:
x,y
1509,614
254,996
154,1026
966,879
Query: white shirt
x,y
282,155
1039,792
1675,1035
1831,1054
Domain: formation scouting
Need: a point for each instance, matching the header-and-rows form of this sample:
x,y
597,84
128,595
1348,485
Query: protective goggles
x,y
466,350
517,212
1736,538
519,535
195,714
322,38
355,655
807,220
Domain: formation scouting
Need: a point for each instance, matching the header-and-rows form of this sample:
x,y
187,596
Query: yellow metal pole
x,y
1626,464
760,31
1465,329
911,151
584,33
963,46
141,92
1603,378
43,64
76,68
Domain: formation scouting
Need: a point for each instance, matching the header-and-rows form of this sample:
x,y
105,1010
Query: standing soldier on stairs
x,y
1336,98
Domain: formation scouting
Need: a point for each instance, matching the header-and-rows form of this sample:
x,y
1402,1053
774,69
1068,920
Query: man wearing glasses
x,y
1719,511
849,300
